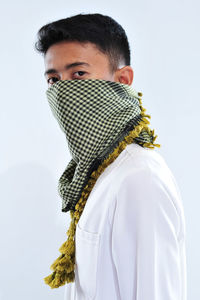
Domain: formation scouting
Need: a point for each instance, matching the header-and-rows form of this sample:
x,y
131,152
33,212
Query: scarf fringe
x,y
63,267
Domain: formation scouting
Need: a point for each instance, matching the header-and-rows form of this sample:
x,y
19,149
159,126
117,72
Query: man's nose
x,y
64,76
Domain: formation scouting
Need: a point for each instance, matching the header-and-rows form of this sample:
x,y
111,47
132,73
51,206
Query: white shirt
x,y
130,238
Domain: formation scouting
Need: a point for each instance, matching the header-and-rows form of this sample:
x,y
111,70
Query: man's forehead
x,y
70,52
70,47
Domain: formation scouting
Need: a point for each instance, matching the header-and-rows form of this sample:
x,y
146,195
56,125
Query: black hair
x,y
103,31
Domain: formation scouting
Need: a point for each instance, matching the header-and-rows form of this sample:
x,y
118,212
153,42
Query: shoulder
x,y
145,184
143,163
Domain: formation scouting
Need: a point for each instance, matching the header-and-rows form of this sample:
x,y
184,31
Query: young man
x,y
127,236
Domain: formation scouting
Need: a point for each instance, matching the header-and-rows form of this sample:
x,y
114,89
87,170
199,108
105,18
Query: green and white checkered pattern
x,y
95,115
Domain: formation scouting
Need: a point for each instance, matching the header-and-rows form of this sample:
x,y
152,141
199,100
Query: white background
x,y
165,44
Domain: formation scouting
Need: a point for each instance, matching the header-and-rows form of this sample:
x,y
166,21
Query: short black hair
x,y
103,31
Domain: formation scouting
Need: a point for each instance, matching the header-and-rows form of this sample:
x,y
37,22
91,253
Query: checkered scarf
x,y
94,115
99,118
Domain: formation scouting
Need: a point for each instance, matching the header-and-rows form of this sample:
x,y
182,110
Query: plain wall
x,y
165,45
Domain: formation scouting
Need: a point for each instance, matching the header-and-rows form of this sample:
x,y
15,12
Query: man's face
x,y
75,60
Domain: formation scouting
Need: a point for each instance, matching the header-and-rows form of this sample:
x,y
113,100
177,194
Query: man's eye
x,y
53,80
80,73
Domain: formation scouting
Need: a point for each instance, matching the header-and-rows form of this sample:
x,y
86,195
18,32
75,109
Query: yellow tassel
x,y
63,267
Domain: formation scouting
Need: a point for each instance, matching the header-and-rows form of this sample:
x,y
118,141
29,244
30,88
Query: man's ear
x,y
124,75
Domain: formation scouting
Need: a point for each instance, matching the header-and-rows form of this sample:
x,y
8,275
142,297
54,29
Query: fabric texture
x,y
99,118
130,239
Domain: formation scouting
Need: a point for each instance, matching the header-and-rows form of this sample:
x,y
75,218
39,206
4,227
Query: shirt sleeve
x,y
145,246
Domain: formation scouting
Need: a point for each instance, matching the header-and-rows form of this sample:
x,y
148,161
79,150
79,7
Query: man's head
x,y
85,46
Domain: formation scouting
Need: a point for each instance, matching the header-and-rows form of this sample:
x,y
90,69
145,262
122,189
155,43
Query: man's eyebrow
x,y
67,67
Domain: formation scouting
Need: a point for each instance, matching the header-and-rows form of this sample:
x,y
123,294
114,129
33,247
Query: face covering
x,y
99,119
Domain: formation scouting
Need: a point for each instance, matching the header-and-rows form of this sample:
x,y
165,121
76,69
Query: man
x,y
127,236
